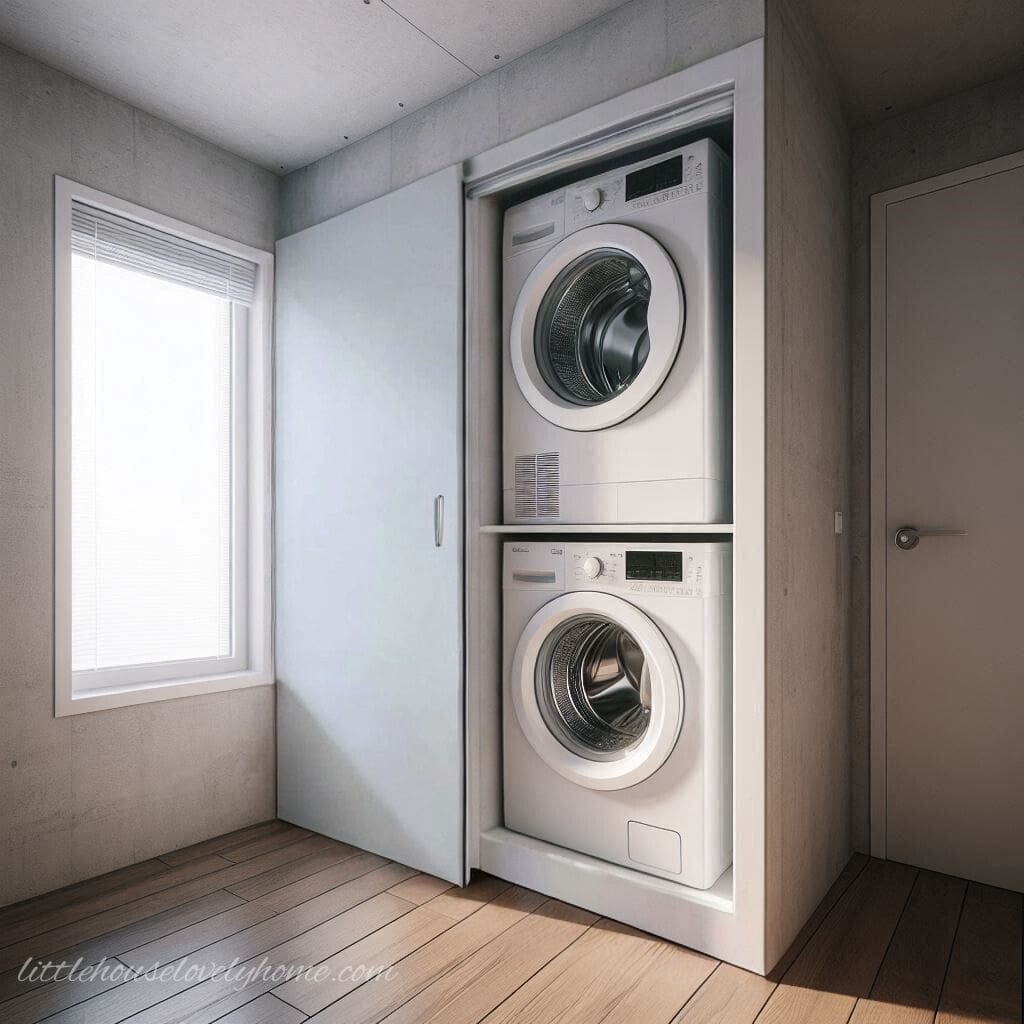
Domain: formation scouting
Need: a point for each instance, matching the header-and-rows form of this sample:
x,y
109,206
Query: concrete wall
x,y
634,45
808,474
86,794
965,129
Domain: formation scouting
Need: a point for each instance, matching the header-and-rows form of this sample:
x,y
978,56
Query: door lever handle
x,y
907,538
438,520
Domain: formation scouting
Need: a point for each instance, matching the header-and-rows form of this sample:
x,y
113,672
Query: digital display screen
x,y
665,566
654,178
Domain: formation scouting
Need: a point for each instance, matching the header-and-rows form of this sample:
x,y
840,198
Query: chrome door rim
x,y
665,321
620,768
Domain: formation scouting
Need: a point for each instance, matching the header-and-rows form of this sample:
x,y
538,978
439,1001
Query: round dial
x,y
592,567
592,199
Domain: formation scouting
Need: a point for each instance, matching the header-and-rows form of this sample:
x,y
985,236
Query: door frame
x,y
879,539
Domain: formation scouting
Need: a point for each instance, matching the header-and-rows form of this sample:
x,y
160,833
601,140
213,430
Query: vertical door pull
x,y
438,520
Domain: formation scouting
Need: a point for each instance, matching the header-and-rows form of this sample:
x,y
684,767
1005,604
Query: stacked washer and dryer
x,y
617,711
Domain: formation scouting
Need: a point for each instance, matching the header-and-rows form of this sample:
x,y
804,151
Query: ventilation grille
x,y
537,486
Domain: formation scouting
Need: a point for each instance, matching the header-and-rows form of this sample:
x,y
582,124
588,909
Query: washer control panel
x,y
699,569
672,569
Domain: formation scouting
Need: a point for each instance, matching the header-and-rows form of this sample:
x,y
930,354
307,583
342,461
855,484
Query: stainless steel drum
x,y
593,687
590,336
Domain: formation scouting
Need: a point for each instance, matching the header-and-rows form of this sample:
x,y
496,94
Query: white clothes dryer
x,y
617,359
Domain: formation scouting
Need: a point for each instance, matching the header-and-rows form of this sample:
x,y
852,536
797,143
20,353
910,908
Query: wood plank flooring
x,y
275,925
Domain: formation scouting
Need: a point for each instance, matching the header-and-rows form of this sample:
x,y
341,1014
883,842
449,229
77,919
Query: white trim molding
x,y
879,529
252,664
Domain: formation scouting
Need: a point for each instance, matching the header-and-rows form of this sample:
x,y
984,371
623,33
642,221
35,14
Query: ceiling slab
x,y
892,57
278,83
485,34
283,84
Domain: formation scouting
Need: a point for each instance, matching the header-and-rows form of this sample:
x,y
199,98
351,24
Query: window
x,y
162,440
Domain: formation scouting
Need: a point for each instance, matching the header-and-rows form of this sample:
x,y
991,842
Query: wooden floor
x,y
888,944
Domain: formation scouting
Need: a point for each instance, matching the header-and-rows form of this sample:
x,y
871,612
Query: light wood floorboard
x,y
313,929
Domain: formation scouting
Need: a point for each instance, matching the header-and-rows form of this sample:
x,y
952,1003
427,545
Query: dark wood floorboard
x,y
266,843
839,963
983,982
907,987
276,878
224,842
857,863
39,906
90,926
316,930
75,910
44,1002
129,937
266,1009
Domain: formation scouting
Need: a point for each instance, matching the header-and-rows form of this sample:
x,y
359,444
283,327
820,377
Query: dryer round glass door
x,y
597,326
597,690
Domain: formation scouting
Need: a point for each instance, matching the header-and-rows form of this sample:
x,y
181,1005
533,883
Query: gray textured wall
x,y
83,795
808,473
965,129
634,45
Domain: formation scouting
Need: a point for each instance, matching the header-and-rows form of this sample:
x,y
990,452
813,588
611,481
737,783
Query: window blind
x,y
126,243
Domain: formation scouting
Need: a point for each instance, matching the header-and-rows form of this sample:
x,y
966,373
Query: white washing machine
x,y
617,360
617,702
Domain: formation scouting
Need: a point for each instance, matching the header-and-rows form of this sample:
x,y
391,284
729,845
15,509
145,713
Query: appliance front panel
x,y
683,589
669,460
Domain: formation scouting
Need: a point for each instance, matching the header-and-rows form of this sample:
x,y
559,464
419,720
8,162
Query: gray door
x,y
368,477
954,448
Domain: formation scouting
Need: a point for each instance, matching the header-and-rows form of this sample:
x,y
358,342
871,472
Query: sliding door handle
x,y
907,538
438,520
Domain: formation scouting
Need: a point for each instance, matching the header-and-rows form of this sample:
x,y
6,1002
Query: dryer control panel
x,y
700,168
699,569
692,170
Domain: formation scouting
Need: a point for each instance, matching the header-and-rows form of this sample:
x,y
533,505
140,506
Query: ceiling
x,y
283,83
895,56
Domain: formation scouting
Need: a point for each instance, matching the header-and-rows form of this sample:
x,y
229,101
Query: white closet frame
x,y
728,921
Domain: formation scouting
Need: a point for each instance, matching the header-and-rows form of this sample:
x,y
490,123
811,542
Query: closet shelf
x,y
715,528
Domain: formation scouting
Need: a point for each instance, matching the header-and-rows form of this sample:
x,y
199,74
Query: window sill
x,y
70,703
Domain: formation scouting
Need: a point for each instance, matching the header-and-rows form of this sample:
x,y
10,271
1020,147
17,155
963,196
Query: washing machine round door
x,y
597,690
597,326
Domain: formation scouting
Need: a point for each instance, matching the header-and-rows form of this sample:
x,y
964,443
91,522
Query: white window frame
x,y
252,663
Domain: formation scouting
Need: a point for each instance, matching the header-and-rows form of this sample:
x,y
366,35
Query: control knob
x,y
592,567
592,199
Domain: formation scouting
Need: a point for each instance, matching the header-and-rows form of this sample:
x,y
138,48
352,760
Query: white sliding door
x,y
368,472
